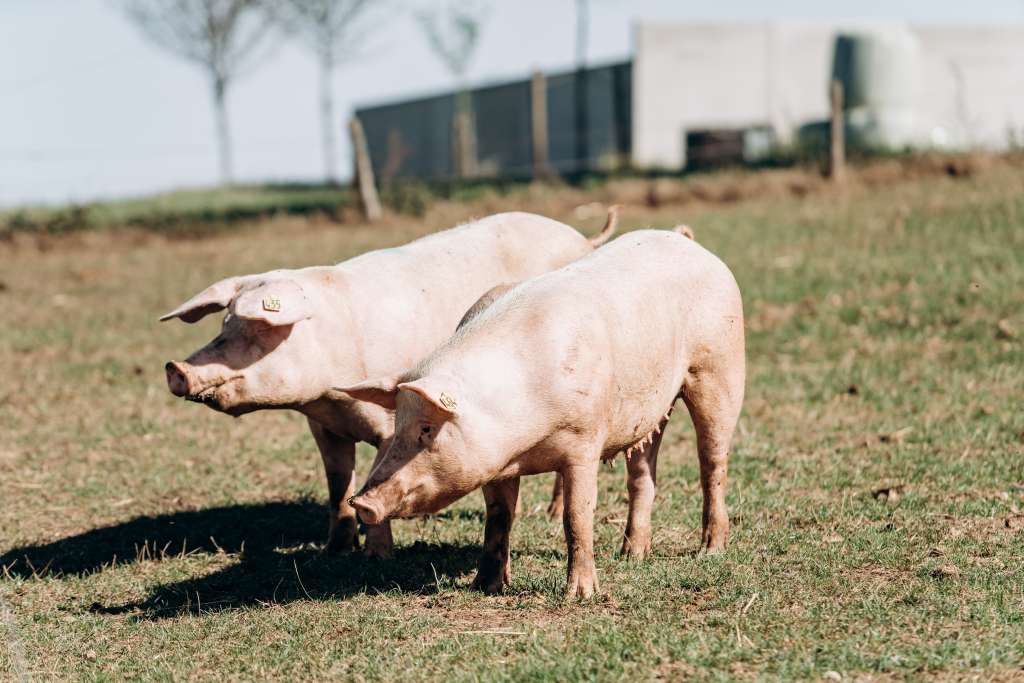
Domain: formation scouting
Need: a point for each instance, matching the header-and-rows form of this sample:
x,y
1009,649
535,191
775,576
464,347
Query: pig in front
x,y
561,372
289,335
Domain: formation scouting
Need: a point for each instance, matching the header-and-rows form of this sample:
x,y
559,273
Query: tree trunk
x,y
220,111
327,139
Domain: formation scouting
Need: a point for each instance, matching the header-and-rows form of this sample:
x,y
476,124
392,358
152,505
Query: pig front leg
x,y
578,520
380,543
641,482
495,572
339,456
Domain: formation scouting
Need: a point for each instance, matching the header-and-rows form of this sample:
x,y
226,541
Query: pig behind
x,y
567,369
290,334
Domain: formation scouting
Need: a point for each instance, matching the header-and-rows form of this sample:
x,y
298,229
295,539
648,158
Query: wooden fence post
x,y
539,124
837,137
362,178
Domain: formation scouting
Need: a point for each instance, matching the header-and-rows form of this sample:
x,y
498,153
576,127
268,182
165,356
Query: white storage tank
x,y
880,71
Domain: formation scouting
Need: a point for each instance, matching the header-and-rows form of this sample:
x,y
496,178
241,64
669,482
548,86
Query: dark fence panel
x,y
503,129
591,123
411,139
562,134
589,128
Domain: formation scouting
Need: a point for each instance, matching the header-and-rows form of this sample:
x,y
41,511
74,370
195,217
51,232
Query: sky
x,y
90,109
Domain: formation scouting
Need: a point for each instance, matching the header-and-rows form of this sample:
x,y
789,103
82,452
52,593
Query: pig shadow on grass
x,y
275,553
254,526
274,577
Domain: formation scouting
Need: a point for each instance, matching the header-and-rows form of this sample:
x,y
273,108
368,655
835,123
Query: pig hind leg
x,y
714,396
339,457
557,498
641,482
494,572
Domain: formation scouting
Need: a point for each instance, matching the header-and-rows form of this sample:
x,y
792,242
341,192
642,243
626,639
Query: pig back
x,y
643,311
407,300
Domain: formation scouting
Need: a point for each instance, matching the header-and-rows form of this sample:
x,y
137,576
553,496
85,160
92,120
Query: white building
x,y
943,86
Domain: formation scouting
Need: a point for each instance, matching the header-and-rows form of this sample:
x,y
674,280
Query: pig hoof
x,y
712,543
582,586
489,585
712,547
636,545
492,575
635,551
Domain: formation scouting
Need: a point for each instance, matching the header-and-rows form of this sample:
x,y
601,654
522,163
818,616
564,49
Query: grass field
x,y
180,212
876,494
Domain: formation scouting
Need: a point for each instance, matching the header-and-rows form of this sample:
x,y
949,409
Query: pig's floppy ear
x,y
432,393
379,391
212,299
275,302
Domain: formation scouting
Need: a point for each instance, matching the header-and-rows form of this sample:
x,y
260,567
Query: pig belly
x,y
634,421
648,368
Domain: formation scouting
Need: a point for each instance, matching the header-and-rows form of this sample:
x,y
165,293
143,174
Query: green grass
x,y
183,212
146,538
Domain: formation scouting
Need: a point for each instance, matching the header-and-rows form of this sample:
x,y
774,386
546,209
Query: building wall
x,y
973,85
776,74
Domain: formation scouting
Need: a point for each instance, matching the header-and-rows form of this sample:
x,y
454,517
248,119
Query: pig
x,y
561,372
289,335
555,506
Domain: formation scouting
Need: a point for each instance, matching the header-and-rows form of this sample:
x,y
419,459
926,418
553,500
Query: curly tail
x,y
610,225
685,231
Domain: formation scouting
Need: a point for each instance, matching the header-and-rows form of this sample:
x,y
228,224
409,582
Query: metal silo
x,y
880,73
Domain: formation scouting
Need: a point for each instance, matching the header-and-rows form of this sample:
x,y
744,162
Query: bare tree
x,y
334,30
452,29
221,36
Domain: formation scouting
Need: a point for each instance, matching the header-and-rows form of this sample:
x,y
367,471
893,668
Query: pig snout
x,y
178,379
369,509
376,503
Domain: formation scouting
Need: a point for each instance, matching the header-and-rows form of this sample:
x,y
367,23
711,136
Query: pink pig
x,y
559,373
289,335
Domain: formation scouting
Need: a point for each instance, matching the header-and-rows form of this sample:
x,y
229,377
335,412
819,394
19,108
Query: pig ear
x,y
212,299
380,391
444,401
275,302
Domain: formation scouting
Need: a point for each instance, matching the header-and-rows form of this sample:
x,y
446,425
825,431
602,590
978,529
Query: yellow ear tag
x,y
448,402
272,304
